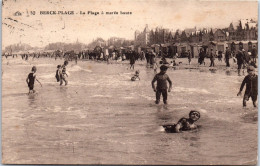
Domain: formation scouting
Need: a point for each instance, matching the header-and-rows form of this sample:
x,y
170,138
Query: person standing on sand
x,y
189,57
227,56
240,61
201,57
212,58
132,60
254,54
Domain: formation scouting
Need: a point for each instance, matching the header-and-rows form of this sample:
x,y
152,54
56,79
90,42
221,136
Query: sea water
x,y
102,117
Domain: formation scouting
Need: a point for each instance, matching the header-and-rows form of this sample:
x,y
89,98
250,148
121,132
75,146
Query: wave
x,y
202,110
106,96
76,83
147,97
15,61
128,97
45,64
52,76
74,68
190,90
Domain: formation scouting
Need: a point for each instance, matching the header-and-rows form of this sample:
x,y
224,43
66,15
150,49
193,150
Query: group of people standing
x,y
61,74
242,58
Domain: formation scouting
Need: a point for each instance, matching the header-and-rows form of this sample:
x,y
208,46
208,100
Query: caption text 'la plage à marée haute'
x,y
94,13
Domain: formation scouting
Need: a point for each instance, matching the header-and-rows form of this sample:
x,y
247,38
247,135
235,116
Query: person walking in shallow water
x,y
31,79
240,61
161,87
251,86
64,75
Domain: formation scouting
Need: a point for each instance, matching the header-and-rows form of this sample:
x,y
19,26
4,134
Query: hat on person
x,y
163,68
250,68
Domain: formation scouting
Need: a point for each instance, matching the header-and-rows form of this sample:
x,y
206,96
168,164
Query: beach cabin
x,y
195,50
172,50
164,48
221,46
234,46
182,49
251,44
156,48
244,45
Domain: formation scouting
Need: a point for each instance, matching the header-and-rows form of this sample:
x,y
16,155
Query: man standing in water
x,y
64,75
161,87
251,86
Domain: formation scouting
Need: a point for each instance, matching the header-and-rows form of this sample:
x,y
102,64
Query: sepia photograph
x,y
142,82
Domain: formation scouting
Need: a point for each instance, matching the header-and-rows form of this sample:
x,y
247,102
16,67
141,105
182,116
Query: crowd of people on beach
x,y
241,57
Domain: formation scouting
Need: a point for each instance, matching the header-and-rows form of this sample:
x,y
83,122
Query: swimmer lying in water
x,y
184,124
136,75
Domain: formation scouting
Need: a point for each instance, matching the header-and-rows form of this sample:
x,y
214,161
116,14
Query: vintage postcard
x,y
117,82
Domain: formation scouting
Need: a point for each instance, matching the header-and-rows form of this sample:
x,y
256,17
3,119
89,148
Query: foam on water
x,y
77,83
128,97
202,110
15,61
161,129
74,68
57,109
42,65
147,97
48,76
190,90
223,100
106,96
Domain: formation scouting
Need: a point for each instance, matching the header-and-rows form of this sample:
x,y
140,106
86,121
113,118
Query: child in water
x,y
251,81
58,73
30,80
184,124
161,87
64,75
136,75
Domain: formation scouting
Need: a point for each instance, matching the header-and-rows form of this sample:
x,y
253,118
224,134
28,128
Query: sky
x,y
42,29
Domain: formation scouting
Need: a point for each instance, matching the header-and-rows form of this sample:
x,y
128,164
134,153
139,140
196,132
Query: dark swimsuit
x,y
170,128
185,125
31,81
